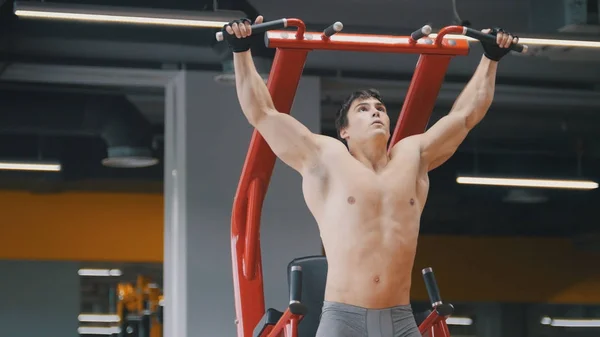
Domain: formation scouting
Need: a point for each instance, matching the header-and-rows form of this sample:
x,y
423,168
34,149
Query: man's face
x,y
367,118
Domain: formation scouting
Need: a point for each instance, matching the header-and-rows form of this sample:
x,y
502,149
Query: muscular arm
x,y
291,141
440,142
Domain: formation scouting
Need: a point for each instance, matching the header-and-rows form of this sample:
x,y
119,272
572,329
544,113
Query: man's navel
x,y
351,200
412,201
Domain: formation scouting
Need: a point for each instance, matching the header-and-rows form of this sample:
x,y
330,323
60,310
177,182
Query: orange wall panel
x,y
508,269
82,226
129,227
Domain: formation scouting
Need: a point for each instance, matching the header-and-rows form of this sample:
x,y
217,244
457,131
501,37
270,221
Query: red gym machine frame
x,y
291,52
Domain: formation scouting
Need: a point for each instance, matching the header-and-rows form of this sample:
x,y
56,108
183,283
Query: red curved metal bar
x,y
448,30
256,193
292,22
284,78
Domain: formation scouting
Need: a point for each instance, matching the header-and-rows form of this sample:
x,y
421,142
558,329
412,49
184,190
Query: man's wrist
x,y
487,60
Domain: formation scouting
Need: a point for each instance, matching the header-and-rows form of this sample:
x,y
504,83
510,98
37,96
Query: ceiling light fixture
x,y
452,320
98,330
571,322
99,318
100,272
534,183
93,13
30,166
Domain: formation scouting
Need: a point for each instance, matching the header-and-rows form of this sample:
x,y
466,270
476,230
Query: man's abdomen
x,y
371,267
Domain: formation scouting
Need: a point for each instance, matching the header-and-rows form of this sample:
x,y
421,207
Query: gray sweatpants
x,y
343,320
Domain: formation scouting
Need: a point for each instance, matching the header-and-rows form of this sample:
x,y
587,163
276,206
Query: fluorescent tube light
x,y
99,318
150,16
571,322
459,321
30,166
100,272
534,41
99,330
537,183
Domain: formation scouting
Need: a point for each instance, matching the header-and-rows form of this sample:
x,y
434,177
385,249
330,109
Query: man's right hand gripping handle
x,y
238,34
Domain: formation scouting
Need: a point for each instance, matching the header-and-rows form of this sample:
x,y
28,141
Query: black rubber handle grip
x,y
296,284
432,288
479,35
144,326
260,28
334,28
421,33
160,314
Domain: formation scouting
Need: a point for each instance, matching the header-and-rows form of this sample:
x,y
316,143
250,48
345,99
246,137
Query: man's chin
x,y
380,135
380,132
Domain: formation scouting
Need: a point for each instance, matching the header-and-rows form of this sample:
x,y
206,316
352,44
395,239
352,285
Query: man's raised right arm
x,y
289,139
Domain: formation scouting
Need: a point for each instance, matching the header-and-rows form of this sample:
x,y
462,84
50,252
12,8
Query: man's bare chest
x,y
385,188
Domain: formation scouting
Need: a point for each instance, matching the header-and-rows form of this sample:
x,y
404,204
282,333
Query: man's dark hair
x,y
341,119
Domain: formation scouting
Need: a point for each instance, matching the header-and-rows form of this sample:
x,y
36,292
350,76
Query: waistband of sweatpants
x,y
338,306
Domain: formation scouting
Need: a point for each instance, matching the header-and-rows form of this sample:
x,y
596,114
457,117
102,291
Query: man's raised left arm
x,y
442,140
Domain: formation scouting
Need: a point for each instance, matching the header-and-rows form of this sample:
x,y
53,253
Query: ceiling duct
x,y
126,132
580,17
572,20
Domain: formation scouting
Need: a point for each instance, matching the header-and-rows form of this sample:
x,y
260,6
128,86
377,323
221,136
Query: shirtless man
x,y
367,203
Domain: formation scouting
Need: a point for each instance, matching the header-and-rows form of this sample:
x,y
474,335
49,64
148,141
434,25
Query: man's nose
x,y
375,113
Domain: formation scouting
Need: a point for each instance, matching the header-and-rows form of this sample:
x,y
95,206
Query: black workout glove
x,y
237,45
491,50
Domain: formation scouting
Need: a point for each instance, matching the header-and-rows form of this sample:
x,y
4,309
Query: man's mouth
x,y
377,122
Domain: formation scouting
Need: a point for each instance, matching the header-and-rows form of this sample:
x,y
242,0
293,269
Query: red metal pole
x,y
429,322
421,96
293,327
256,174
440,329
434,326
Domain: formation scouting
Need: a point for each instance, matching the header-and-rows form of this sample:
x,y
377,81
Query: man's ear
x,y
344,134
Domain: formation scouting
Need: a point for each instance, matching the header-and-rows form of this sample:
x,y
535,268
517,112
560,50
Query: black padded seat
x,y
314,278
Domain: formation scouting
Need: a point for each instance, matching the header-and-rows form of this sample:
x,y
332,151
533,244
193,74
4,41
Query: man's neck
x,y
373,154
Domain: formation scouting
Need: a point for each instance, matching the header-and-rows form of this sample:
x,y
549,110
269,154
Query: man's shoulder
x,y
410,143
328,144
329,148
